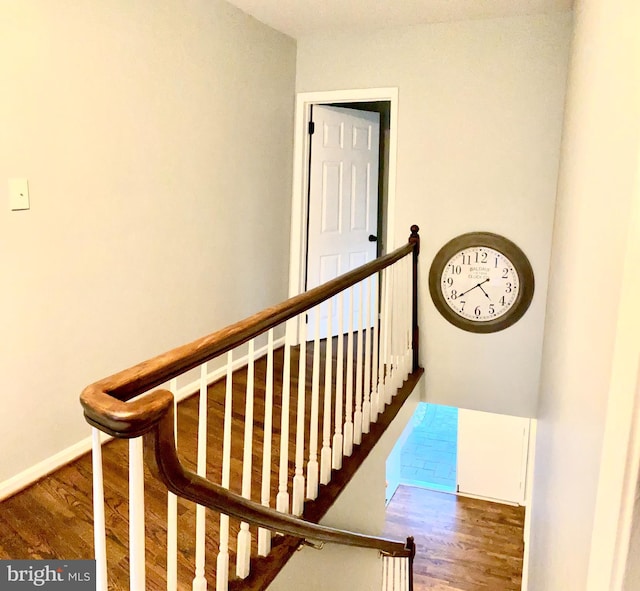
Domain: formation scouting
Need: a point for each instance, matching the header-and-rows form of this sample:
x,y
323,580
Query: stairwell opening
x,y
425,455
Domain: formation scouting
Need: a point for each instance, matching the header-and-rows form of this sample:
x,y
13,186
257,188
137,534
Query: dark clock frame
x,y
507,248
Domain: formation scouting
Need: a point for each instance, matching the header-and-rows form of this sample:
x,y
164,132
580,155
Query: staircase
x,y
275,427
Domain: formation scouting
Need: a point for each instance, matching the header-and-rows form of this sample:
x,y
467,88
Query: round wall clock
x,y
481,282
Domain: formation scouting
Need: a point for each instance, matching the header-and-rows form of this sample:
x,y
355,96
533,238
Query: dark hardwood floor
x,y
54,518
462,544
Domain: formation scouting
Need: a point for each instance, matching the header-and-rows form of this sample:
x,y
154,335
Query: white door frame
x,y
301,146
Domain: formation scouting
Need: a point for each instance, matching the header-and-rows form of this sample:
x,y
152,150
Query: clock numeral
x,y
449,281
481,257
492,309
462,307
509,287
505,273
454,294
466,259
455,269
495,266
502,301
477,311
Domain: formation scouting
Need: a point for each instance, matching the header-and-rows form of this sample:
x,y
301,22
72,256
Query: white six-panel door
x,y
343,196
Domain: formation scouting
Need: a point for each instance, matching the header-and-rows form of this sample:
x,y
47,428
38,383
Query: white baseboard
x,y
31,475
34,473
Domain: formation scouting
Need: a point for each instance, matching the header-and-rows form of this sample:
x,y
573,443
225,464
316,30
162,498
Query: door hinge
x,y
312,127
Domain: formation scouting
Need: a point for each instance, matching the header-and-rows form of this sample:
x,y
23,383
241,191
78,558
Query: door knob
x,y
373,238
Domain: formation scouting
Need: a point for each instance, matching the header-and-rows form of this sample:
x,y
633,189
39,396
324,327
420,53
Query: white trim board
x,y
301,144
31,475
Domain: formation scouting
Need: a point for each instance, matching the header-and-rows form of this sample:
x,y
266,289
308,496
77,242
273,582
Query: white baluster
x,y
357,415
382,346
137,576
222,563
199,580
405,574
401,328
172,511
385,576
375,387
393,337
325,454
312,465
282,500
404,333
99,533
337,438
264,535
298,479
366,405
396,573
409,319
243,559
389,372
348,406
389,561
404,291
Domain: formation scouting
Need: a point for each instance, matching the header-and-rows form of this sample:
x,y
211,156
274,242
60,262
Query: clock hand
x,y
468,290
472,288
483,291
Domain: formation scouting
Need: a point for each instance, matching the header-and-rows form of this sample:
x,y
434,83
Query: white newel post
x,y
137,576
325,454
99,533
264,535
243,559
222,563
337,438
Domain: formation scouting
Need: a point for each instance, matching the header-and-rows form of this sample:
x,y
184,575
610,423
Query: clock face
x,y
479,283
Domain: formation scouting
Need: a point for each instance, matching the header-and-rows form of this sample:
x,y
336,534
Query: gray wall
x,y
157,140
590,356
480,116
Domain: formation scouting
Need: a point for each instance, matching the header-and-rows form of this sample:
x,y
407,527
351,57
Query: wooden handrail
x,y
104,401
162,459
108,406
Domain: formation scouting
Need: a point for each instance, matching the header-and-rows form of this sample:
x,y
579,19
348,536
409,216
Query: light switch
x,y
18,194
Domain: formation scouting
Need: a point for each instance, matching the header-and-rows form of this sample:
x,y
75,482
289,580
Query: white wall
x,y
157,140
632,575
585,334
359,508
480,113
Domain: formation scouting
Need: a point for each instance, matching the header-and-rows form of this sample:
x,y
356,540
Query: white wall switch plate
x,y
18,194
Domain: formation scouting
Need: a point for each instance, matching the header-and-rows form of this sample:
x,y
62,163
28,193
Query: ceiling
x,y
298,18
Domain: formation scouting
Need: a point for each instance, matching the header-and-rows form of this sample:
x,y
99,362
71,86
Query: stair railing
x,y
373,308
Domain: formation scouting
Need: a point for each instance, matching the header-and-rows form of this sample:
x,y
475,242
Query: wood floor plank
x,y
462,544
54,517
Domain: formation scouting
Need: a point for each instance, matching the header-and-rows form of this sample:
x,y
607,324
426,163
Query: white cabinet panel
x,y
492,455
